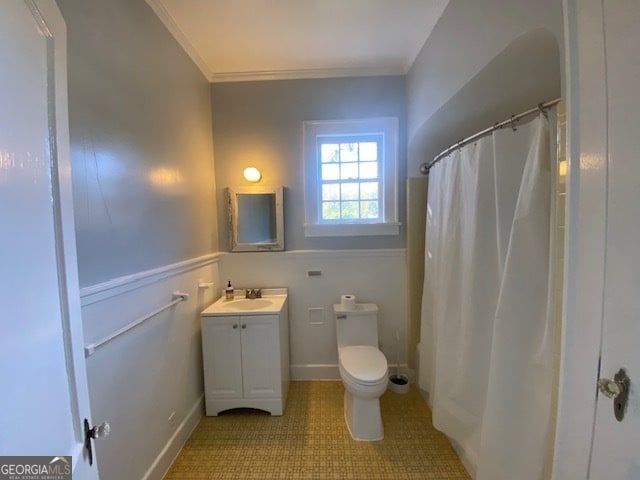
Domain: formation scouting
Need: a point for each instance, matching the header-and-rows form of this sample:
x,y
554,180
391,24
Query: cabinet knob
x,y
235,325
244,326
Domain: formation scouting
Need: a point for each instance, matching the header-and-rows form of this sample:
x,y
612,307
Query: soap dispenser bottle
x,y
228,292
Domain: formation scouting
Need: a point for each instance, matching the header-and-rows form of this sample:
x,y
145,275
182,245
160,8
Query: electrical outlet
x,y
172,419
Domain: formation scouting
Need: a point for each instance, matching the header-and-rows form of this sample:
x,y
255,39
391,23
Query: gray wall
x,y
144,197
141,148
260,124
483,62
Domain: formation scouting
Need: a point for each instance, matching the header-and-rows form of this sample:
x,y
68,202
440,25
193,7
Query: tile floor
x,y
311,441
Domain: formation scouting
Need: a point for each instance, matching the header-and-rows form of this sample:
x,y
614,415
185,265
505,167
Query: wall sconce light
x,y
252,174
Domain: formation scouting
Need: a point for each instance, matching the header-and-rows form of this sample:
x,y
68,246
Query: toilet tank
x,y
358,326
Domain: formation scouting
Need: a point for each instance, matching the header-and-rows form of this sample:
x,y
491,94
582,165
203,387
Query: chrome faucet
x,y
253,293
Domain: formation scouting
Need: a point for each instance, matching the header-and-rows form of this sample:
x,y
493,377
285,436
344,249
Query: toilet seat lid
x,y
364,363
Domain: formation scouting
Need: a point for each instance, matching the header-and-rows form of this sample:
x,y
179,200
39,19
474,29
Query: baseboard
x,y
315,372
169,453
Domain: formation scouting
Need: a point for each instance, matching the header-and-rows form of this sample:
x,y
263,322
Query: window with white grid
x,y
350,180
350,184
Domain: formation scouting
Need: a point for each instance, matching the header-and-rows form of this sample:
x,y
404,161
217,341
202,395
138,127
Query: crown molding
x,y
165,17
305,74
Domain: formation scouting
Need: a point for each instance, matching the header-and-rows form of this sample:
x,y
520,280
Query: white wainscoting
x,y
138,380
375,276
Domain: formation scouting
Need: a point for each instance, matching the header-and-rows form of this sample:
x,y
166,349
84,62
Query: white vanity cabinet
x,y
246,356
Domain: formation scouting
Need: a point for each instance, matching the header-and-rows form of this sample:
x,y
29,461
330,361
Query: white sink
x,y
249,304
272,301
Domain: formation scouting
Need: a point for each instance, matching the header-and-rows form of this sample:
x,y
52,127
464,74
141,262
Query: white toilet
x,y
363,369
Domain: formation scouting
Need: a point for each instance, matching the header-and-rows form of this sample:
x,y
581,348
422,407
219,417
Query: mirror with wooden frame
x,y
256,219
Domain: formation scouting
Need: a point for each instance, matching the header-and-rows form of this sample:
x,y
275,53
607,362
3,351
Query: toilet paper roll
x,y
348,302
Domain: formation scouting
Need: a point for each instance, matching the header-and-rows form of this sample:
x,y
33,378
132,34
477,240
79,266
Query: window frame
x,y
387,127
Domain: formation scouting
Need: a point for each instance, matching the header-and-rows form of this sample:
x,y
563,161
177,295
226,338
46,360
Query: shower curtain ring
x,y
513,123
543,110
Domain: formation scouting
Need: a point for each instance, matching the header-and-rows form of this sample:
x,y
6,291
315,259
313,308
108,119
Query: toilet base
x,y
363,418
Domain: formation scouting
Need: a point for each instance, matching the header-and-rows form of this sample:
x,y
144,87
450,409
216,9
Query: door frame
x,y
54,29
585,237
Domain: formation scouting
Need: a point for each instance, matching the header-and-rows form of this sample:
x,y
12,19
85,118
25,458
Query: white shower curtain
x,y
487,338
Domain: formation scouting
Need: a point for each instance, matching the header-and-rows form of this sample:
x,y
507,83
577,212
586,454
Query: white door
x,y
44,387
616,445
221,354
260,356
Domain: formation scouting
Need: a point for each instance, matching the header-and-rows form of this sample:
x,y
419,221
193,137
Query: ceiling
x,y
235,40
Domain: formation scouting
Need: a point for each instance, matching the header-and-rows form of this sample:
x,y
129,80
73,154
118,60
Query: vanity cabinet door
x,y
221,352
261,356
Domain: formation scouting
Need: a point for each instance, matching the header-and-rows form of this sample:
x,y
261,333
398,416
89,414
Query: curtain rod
x,y
542,107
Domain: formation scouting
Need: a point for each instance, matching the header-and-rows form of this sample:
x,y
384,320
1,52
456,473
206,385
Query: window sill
x,y
351,229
